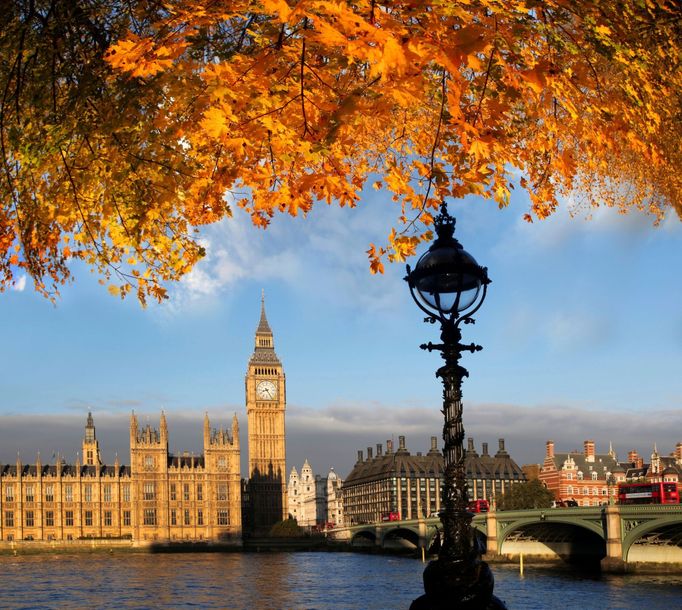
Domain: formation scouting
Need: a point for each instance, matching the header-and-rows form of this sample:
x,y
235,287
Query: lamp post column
x,y
449,286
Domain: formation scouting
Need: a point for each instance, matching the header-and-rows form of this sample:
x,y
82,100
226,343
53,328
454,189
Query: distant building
x,y
666,469
489,477
410,485
583,477
160,496
314,501
265,409
532,471
393,482
591,478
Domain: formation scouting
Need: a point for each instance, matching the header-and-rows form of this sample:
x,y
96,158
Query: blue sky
x,y
582,336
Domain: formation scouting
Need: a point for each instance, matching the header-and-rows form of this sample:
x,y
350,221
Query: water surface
x,y
283,581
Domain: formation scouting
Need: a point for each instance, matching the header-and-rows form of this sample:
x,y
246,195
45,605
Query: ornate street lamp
x,y
450,286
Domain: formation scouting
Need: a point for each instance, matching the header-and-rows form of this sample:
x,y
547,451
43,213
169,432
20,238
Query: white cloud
x,y
322,255
332,435
20,284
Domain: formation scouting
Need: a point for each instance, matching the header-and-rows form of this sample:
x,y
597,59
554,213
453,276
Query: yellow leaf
x,y
214,122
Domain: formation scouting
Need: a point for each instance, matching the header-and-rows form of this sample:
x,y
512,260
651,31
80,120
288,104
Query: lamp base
x,y
458,585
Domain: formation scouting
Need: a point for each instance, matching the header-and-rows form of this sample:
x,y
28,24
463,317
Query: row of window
x,y
148,492
586,491
221,493
29,518
49,495
569,476
223,517
149,518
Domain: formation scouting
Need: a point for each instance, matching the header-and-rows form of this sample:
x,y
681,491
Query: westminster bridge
x,y
620,537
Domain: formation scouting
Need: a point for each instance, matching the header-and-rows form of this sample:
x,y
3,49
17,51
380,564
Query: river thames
x,y
283,581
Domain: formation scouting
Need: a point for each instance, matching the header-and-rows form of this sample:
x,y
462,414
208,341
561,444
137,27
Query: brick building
x,y
591,478
583,477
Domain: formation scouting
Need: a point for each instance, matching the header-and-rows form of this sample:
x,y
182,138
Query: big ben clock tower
x,y
265,406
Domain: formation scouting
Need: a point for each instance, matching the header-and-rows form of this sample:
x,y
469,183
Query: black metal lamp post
x,y
449,286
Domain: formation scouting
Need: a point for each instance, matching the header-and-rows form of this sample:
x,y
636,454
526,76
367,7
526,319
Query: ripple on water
x,y
295,581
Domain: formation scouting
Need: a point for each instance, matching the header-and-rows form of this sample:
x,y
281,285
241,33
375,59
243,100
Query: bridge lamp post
x,y
449,286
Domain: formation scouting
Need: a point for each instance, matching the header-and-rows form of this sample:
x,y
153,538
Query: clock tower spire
x,y
265,408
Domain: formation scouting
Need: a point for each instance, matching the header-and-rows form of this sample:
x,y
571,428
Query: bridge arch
x,y
401,537
573,541
657,541
363,538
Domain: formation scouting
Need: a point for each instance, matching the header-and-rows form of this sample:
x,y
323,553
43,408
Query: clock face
x,y
266,390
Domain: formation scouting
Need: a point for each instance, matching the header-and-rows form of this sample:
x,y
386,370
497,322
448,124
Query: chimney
x,y
635,459
369,453
379,449
589,451
434,444
470,444
550,450
389,446
678,452
359,456
401,443
485,449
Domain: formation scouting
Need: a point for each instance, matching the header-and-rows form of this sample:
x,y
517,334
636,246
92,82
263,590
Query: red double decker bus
x,y
648,493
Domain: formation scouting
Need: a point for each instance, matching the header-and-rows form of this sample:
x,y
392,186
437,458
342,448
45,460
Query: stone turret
x,y
91,454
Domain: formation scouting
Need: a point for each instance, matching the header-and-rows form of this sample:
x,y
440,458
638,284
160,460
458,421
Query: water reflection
x,y
319,581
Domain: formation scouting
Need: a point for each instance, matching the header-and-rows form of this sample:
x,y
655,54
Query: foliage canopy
x,y
126,124
532,494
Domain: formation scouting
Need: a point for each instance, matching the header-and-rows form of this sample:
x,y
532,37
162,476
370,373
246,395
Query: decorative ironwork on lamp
x,y
450,286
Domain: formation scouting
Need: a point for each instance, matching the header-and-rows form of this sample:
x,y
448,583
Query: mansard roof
x,y
603,462
485,466
400,464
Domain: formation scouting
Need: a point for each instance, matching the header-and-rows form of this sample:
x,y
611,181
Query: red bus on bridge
x,y
648,493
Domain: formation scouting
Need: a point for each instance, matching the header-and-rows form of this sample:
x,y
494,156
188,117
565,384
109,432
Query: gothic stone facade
x,y
315,501
159,497
265,409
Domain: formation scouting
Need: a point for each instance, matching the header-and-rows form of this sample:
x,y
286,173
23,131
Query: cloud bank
x,y
331,436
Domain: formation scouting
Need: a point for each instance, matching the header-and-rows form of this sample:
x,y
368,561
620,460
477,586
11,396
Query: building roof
x,y
264,354
403,463
485,466
263,326
602,464
399,464
67,470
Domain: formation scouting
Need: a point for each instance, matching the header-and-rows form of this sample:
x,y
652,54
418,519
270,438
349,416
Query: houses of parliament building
x,y
160,496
